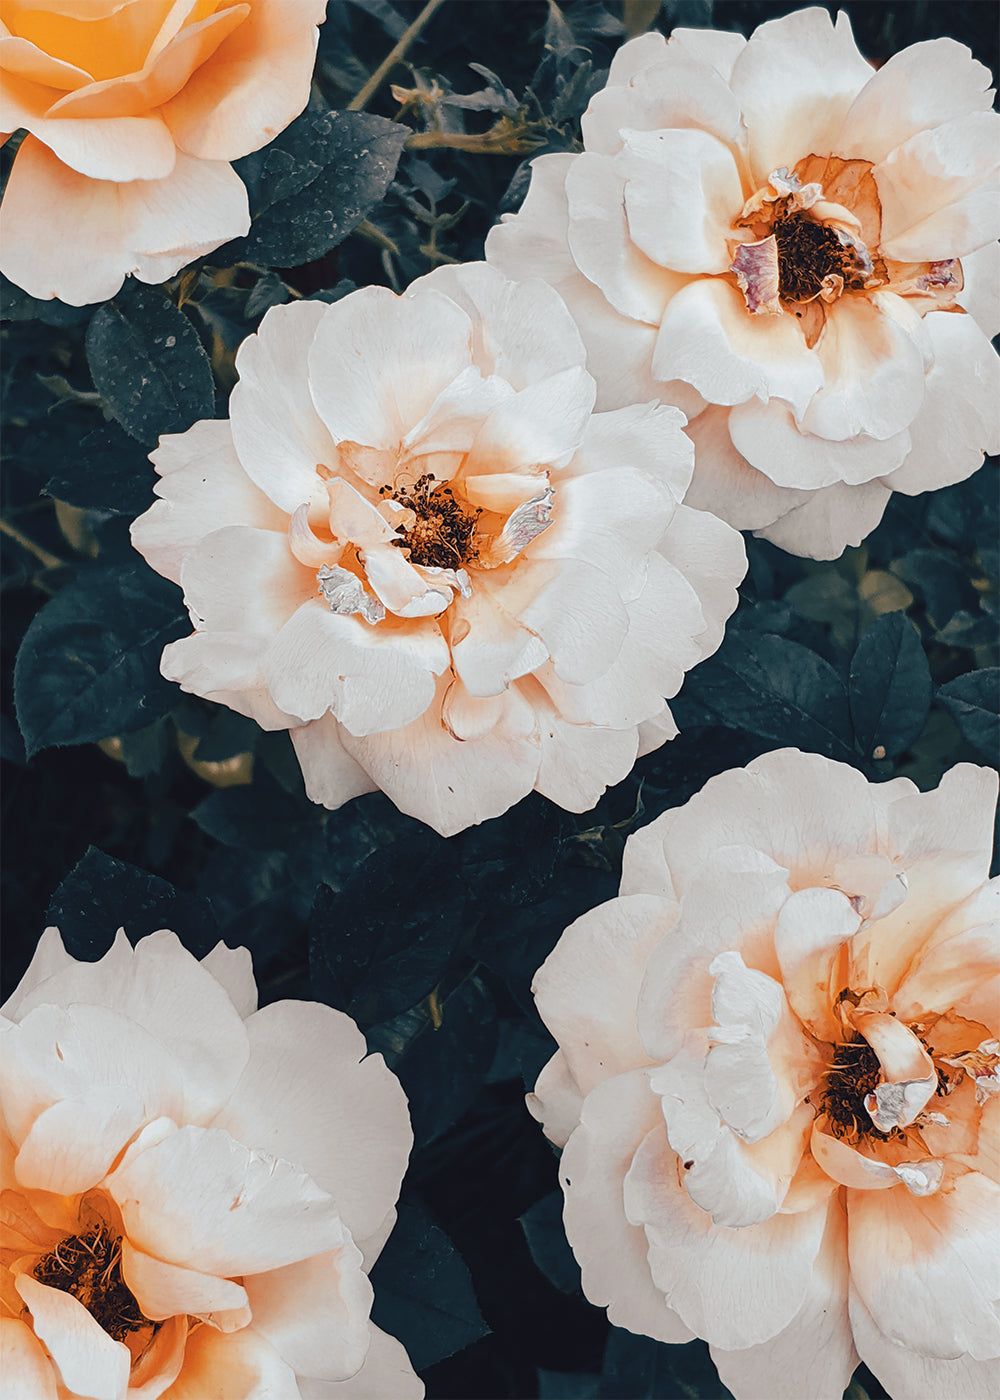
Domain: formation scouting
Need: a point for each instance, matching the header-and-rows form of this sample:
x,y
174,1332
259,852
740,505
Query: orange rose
x,y
134,109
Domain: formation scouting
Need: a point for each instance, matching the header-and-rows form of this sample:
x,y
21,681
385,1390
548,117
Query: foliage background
x,y
126,802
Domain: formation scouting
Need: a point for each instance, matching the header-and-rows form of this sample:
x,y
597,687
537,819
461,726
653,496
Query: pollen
x,y
442,535
809,254
89,1267
854,1073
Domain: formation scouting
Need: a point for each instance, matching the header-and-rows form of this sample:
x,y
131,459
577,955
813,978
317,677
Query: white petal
x,y
726,485
315,1312
331,776
911,1375
89,1362
767,436
832,519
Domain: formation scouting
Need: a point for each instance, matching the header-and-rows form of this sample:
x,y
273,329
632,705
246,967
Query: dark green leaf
x,y
972,700
646,1370
775,688
108,471
261,817
101,895
445,1066
89,664
423,1292
314,184
148,363
890,687
546,1235
226,735
382,943
17,305
567,1385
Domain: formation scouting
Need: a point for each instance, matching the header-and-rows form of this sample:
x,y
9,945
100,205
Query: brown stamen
x,y
808,254
442,534
854,1073
89,1267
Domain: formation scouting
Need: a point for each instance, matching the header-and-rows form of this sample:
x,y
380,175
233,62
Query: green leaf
x,y
108,471
148,363
775,688
89,664
972,701
423,1293
644,1369
261,817
543,1229
101,895
313,185
890,687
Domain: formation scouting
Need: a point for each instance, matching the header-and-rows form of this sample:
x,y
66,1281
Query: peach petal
x,y
587,988
386,1371
372,679
927,1269
531,333
954,971
912,1376
735,1288
707,338
814,1355
50,956
25,1362
27,60
243,579
610,1248
938,191
225,667
726,485
251,1212
163,1290
147,228
682,194
831,520
254,84
922,87
767,437
541,424
981,294
115,149
468,716
849,1167
278,435
489,647
331,776
202,484
378,362
795,80
677,89
281,1107
161,78
161,1362
401,588
89,1362
447,783
598,237
315,1313
813,925
956,422
232,1366
72,1144
556,1100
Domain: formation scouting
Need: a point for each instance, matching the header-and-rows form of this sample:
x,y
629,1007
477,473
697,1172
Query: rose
x,y
778,1081
782,242
135,109
415,546
192,1190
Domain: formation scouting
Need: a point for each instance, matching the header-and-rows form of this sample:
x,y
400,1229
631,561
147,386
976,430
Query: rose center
x,y
808,254
89,1267
854,1073
443,532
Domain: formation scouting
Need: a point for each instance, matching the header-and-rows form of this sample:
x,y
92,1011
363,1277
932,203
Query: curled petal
x,y
756,268
346,594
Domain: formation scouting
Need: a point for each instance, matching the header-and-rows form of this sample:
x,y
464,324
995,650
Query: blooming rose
x,y
778,1082
773,230
414,545
192,1190
135,109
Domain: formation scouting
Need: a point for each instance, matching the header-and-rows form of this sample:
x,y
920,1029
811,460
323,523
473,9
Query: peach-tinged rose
x,y
414,545
134,109
778,1081
798,251
191,1190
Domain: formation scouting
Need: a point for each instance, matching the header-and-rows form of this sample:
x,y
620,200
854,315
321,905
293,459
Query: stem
x,y
364,95
50,561
487,143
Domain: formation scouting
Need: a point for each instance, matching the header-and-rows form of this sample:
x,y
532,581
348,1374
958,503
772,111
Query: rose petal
x,y
89,1362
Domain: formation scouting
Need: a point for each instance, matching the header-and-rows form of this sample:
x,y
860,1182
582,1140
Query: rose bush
x,y
192,1189
786,244
134,109
414,545
778,1081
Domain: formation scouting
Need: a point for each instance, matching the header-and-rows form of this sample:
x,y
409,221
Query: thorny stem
x,y
50,561
364,95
